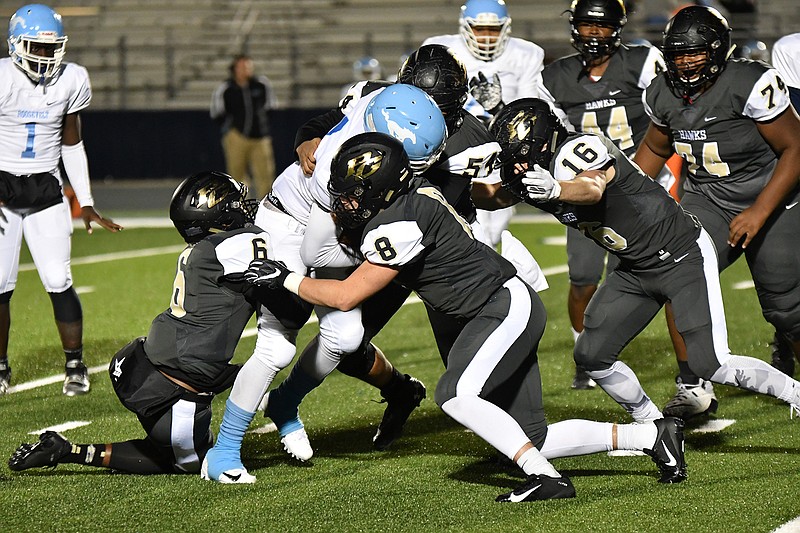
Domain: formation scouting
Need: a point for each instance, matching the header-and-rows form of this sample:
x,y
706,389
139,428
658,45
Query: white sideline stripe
x,y
741,285
84,290
267,428
116,256
713,426
58,378
66,426
792,526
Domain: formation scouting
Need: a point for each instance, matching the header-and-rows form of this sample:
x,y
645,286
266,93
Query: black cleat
x,y
540,487
51,448
782,355
667,452
401,399
76,379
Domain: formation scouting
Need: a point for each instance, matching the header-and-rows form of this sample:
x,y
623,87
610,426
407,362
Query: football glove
x,y
266,273
488,93
540,185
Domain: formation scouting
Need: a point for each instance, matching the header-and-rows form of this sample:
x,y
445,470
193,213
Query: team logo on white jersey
x,y
397,131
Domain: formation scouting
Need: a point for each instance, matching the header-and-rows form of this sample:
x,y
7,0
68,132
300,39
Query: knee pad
x,y
346,337
66,305
358,364
56,280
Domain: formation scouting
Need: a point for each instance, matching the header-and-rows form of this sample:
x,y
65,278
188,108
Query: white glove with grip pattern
x,y
488,93
540,185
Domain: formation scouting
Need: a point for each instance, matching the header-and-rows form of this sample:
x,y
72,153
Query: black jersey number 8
x,y
385,249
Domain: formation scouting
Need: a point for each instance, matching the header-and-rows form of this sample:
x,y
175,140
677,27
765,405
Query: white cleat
x,y
794,410
691,400
234,475
297,445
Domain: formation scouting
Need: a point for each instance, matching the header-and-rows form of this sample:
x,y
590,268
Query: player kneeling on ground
x,y
410,235
170,377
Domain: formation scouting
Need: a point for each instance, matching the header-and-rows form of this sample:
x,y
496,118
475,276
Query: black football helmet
x,y
609,13
528,132
210,202
368,173
695,30
435,70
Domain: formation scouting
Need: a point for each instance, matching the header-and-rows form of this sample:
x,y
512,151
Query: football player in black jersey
x,y
732,122
409,234
599,90
170,377
469,153
664,254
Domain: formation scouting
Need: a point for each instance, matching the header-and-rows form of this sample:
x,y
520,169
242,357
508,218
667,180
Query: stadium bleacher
x,y
145,54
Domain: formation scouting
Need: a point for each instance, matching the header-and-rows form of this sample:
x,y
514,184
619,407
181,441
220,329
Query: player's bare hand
x,y
305,155
89,215
745,226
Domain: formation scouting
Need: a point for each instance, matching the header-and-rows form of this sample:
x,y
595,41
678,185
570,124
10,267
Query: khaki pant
x,y
250,157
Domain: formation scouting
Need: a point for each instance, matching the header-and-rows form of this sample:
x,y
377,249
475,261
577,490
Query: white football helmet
x,y
37,26
485,13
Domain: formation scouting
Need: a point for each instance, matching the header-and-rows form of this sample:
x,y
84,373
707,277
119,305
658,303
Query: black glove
x,y
488,93
266,273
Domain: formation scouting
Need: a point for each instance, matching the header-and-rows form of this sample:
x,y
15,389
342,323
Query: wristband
x,y
292,282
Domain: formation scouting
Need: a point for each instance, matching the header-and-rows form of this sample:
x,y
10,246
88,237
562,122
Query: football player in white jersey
x,y
491,384
296,214
41,96
501,68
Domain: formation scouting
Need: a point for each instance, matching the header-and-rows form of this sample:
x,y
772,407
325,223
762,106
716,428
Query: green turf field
x,y
438,477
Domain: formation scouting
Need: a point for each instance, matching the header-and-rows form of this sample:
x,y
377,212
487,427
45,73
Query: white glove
x,y
540,185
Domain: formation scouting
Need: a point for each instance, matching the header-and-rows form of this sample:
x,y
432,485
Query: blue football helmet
x,y
485,13
412,117
37,26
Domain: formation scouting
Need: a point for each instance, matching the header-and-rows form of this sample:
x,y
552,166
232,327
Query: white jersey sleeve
x,y
394,244
647,109
652,66
768,99
236,252
786,59
580,154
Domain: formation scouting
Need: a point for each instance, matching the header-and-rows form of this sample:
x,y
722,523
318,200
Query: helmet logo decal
x,y
364,165
209,197
520,126
396,130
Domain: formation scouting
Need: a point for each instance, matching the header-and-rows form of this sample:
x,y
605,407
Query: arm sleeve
x,y
77,167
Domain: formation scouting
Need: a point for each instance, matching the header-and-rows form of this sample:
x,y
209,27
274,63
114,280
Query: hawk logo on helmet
x,y
520,126
364,165
208,196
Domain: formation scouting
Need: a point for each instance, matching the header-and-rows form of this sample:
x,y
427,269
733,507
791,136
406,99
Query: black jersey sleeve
x,y
317,127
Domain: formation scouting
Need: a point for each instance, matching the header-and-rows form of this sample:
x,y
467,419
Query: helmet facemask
x,y
478,16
